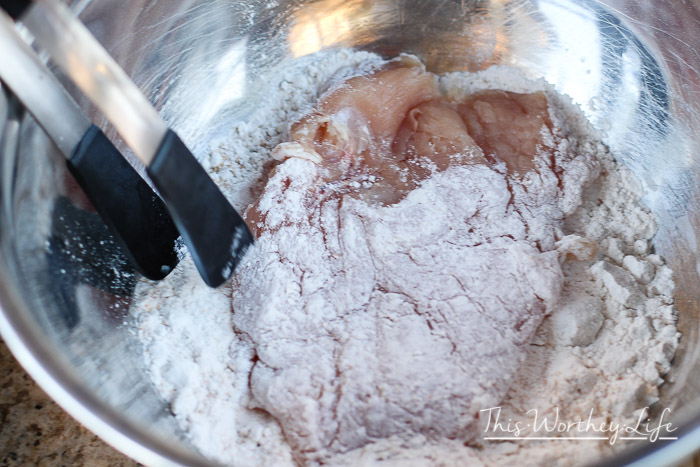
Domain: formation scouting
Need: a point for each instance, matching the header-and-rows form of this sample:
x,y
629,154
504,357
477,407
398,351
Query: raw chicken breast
x,y
435,131
508,126
383,98
398,275
353,128
431,138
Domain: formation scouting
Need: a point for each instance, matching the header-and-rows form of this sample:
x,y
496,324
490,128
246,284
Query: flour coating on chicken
x,y
381,236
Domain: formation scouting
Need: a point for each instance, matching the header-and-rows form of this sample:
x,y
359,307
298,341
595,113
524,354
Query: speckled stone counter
x,y
36,431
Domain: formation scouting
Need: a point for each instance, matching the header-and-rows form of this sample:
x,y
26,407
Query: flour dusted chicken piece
x,y
354,126
435,131
398,276
508,126
373,321
432,137
381,100
391,127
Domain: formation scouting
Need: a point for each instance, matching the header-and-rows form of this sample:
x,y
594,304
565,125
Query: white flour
x,y
606,345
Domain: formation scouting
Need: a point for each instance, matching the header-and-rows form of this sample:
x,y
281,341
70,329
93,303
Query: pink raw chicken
x,y
508,126
396,280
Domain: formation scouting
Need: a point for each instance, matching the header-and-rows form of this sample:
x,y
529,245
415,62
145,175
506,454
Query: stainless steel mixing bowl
x,y
632,66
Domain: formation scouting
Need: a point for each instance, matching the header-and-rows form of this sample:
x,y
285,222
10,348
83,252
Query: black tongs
x,y
215,234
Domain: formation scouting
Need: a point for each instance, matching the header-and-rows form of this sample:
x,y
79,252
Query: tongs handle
x,y
126,203
215,234
74,50
15,8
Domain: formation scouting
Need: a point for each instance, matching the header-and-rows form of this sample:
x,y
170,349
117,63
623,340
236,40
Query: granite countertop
x,y
34,430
